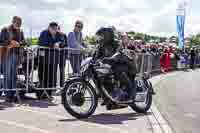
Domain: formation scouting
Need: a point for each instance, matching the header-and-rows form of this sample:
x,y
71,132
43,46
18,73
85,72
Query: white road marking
x,y
20,125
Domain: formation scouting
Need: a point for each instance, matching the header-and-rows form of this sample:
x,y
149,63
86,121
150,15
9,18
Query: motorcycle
x,y
97,80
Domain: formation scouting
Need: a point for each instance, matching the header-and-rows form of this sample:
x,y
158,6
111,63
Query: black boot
x,y
132,90
113,106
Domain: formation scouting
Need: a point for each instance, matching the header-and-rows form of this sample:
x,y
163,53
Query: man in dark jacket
x,y
49,41
10,38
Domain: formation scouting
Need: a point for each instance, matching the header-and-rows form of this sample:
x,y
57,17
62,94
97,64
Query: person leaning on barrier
x,y
62,56
49,41
10,38
75,43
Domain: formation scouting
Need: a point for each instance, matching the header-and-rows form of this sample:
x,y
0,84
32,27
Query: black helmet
x,y
107,34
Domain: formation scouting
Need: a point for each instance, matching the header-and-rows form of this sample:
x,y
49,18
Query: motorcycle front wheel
x,y
143,107
79,98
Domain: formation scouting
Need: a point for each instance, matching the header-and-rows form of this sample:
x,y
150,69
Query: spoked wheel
x,y
143,107
79,98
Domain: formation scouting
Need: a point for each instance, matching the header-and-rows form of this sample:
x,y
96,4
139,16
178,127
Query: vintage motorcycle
x,y
97,80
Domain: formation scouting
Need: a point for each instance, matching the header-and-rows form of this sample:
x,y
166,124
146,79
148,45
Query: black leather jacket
x,y
107,50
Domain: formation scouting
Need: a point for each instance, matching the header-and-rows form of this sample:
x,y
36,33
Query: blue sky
x,y
148,16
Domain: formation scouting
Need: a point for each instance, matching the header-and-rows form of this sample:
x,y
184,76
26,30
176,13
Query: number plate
x,y
140,97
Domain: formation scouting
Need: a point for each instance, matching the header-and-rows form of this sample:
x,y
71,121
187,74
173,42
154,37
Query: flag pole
x,y
180,22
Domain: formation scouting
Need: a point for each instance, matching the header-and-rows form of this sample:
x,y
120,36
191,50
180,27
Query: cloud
x,y
150,16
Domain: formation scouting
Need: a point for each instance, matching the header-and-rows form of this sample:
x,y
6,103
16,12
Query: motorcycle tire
x,y
67,105
144,109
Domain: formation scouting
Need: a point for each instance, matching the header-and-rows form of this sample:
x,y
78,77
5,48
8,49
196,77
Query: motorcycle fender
x,y
150,87
73,78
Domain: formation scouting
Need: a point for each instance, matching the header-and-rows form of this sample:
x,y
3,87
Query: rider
x,y
109,45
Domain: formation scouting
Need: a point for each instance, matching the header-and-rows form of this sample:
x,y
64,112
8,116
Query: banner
x,y
180,24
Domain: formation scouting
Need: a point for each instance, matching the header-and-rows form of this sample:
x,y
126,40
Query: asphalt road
x,y
44,117
178,100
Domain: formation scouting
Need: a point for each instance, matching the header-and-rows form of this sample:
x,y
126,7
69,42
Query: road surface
x,y
35,116
178,99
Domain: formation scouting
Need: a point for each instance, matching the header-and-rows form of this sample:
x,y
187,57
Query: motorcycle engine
x,y
113,83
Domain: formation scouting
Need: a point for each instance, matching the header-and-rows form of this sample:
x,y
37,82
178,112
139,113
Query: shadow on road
x,y
39,103
109,118
4,105
28,101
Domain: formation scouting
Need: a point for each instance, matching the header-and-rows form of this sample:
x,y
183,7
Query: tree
x,y
131,33
195,40
89,40
163,39
31,41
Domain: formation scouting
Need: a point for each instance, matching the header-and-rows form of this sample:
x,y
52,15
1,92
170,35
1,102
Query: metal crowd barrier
x,y
155,63
45,69
47,66
144,64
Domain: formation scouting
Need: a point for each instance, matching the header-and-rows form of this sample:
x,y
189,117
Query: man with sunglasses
x,y
49,42
75,43
10,38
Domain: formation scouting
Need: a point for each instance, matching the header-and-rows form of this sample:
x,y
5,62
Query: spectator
x,y
197,57
11,37
125,40
175,59
48,59
186,57
192,56
143,49
62,56
132,46
165,60
75,41
154,50
155,58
